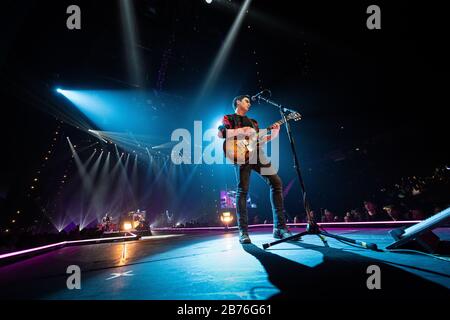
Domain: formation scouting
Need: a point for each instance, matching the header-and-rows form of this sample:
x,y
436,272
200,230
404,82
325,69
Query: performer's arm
x,y
275,130
226,125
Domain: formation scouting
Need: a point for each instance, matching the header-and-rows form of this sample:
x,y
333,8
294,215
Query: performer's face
x,y
244,104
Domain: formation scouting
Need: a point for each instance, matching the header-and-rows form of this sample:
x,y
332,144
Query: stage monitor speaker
x,y
420,236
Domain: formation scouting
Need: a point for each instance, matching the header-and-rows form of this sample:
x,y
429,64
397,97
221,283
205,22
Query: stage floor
x,y
214,266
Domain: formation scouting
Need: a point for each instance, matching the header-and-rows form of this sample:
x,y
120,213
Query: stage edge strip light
x,y
63,244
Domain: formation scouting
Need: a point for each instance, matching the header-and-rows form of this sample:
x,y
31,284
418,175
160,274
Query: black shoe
x,y
243,237
282,233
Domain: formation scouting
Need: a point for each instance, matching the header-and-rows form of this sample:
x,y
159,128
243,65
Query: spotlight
x,y
208,1
226,218
127,226
59,90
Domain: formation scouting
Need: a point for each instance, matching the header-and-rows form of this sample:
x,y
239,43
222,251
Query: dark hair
x,y
235,100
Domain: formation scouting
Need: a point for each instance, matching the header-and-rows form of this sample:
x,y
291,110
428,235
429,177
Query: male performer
x,y
238,124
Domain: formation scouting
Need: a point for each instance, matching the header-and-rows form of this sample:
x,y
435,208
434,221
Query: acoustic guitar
x,y
240,149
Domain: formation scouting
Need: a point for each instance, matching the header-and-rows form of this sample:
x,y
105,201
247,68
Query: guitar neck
x,y
280,122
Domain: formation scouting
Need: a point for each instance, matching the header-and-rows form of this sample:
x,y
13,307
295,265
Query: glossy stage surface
x,y
213,265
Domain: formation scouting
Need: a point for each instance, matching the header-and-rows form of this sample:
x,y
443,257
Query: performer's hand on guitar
x,y
276,126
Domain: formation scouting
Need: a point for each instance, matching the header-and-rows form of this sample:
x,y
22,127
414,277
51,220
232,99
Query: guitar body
x,y
240,150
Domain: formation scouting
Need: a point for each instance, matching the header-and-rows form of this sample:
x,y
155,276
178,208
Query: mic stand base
x,y
313,229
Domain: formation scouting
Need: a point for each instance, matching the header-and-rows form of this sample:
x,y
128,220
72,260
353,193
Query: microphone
x,y
256,96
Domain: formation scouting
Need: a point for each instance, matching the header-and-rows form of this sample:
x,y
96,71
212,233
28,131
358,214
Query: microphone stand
x,y
312,227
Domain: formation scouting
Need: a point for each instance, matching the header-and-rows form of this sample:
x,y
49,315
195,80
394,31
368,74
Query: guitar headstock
x,y
294,116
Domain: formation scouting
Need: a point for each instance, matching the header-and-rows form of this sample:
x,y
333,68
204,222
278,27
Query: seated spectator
x,y
356,215
373,213
328,216
393,212
348,217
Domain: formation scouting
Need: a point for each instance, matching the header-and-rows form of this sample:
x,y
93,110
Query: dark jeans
x,y
276,195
